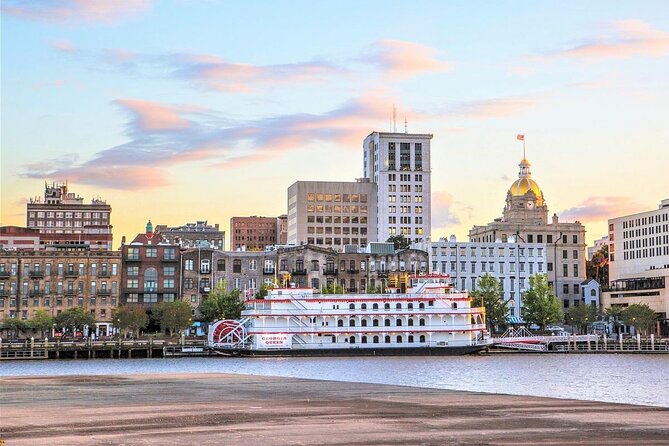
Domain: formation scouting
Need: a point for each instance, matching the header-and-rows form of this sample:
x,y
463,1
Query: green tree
x,y
129,320
173,316
614,315
640,316
74,319
14,326
378,289
41,321
221,304
582,316
262,292
491,295
540,306
334,288
399,241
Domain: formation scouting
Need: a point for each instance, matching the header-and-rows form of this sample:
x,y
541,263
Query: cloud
x,y
624,39
72,11
164,136
404,59
64,46
443,213
492,108
601,208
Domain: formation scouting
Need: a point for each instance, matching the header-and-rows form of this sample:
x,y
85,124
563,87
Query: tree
x,y
582,316
173,316
640,316
41,321
399,241
614,314
262,292
14,326
334,288
378,289
74,319
598,267
540,306
221,304
491,295
129,320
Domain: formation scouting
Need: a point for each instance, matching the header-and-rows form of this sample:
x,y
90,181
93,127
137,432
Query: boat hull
x,y
388,351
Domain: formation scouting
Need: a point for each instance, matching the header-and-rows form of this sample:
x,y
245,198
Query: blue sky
x,y
184,110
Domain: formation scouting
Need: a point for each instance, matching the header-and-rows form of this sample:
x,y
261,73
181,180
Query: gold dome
x,y
522,185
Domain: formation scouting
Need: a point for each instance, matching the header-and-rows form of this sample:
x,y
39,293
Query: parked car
x,y
554,328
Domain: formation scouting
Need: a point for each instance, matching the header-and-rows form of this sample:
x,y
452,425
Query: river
x,y
632,379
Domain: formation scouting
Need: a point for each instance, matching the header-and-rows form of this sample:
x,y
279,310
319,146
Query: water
x,y
632,379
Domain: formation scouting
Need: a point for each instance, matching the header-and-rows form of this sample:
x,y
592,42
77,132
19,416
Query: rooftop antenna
x,y
406,127
394,119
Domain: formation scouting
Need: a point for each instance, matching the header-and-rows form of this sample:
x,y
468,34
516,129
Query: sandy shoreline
x,y
245,409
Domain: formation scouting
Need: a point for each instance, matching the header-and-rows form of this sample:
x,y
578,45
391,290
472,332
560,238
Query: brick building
x,y
150,270
63,218
252,233
59,279
192,235
16,237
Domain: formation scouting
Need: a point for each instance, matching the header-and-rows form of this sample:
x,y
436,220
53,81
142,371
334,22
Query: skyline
x,y
179,101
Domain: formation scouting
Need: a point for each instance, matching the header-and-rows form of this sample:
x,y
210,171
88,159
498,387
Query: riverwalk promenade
x,y
214,409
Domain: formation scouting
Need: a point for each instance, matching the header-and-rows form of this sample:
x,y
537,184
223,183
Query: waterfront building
x,y
192,235
511,262
597,245
332,214
150,270
591,292
252,233
63,218
16,237
525,217
58,279
398,164
639,262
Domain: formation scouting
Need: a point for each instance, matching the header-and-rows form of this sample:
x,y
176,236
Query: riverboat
x,y
428,317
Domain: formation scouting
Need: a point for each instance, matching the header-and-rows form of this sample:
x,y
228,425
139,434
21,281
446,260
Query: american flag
x,y
520,137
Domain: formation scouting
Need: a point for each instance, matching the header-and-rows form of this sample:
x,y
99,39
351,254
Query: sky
x,y
179,110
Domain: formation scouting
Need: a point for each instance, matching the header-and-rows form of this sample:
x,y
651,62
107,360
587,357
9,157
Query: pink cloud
x,y
154,116
67,11
404,59
493,108
64,46
625,39
599,208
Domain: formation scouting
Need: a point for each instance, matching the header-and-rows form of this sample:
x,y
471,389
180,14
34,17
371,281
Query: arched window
x,y
410,306
421,322
375,306
398,306
363,323
150,280
454,306
340,323
387,340
422,338
363,306
204,266
398,322
375,322
386,306
375,339
411,322
593,292
421,306
386,322
351,306
351,340
410,338
351,323
364,339
399,339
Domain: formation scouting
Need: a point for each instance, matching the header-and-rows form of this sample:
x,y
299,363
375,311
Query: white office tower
x,y
399,165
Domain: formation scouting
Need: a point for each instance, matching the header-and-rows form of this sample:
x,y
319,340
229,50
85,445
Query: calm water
x,y
633,379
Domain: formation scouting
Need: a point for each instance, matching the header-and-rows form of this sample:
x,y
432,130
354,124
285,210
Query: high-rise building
x,y
63,218
252,233
639,262
192,235
525,217
398,164
332,214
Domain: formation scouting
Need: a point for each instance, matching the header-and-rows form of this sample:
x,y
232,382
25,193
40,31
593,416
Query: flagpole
x,y
524,146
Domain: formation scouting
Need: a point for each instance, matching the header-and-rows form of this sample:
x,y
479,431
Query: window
x,y
169,253
152,252
150,279
133,271
565,270
132,283
253,264
188,265
236,266
565,289
133,254
204,266
168,283
168,270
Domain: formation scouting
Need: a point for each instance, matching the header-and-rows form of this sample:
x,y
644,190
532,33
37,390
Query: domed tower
x,y
525,201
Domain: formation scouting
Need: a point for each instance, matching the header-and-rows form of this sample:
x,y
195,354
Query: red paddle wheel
x,y
226,333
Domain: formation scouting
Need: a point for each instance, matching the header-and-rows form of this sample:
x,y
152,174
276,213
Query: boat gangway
x,y
524,339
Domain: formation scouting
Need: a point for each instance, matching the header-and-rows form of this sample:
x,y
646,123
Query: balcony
x,y
268,270
35,293
4,274
352,271
205,271
132,259
351,290
382,273
71,273
104,274
330,271
170,259
106,292
36,274
299,272
205,289
4,293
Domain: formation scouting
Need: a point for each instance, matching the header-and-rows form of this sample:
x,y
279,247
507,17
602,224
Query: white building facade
x,y
510,262
398,164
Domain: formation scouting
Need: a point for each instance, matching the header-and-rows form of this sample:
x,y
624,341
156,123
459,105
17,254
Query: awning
x,y
515,320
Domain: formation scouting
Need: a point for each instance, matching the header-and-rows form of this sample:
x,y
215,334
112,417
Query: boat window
x,y
375,307
422,338
340,323
410,321
351,340
421,306
351,323
351,306
363,306
363,323
387,322
387,306
421,322
410,306
364,339
375,322
454,306
387,340
376,339
410,338
399,322
398,306
399,339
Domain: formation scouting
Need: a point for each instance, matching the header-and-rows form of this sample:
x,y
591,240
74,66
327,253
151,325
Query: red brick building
x,y
16,237
150,270
252,233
